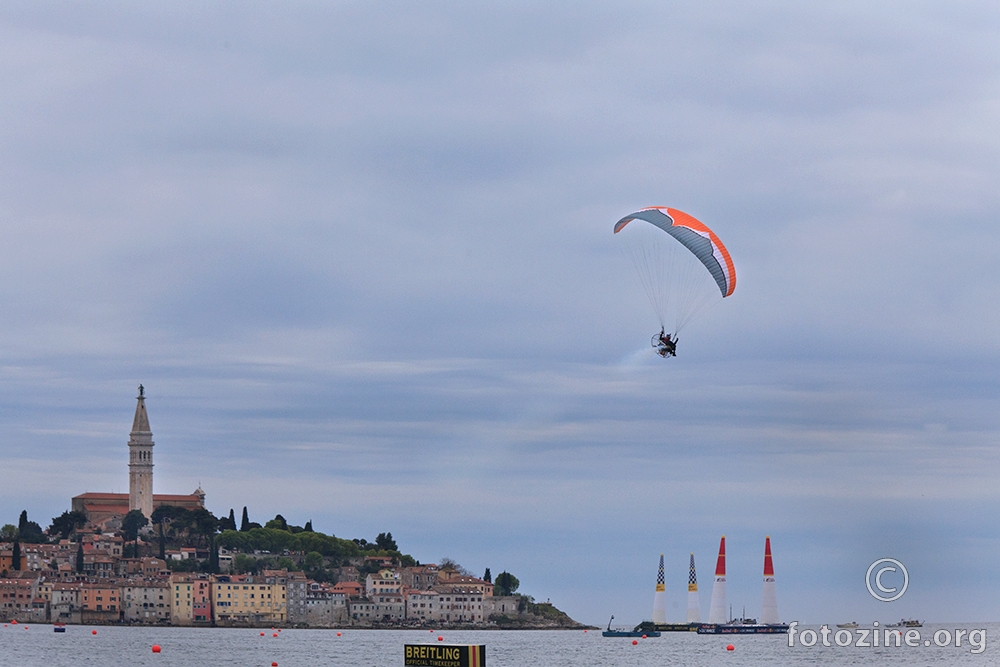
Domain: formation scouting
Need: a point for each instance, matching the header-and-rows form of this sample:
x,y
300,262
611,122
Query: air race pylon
x,y
660,597
769,606
717,612
694,605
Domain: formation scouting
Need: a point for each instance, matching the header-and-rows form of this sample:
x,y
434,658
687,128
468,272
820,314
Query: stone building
x,y
146,601
324,607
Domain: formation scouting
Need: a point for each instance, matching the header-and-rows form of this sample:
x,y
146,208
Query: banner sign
x,y
445,655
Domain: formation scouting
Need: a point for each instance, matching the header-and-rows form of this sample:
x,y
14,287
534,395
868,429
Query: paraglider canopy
x,y
695,236
683,271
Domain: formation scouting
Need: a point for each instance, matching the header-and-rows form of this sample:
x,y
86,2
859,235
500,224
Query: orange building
x,y
7,559
100,602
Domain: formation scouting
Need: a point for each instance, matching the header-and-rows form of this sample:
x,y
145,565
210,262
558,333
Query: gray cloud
x,y
363,258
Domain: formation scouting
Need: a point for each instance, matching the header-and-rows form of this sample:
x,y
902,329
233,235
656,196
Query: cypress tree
x,y
16,556
232,518
213,556
79,556
245,524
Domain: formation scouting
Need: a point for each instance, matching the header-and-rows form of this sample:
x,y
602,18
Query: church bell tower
x,y
140,460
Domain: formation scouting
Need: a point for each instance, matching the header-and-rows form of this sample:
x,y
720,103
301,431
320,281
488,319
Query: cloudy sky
x,y
361,258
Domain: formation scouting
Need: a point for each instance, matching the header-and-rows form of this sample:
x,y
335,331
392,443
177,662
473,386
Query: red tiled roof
x,y
104,509
123,497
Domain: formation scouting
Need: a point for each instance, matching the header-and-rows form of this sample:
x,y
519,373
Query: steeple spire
x,y
140,424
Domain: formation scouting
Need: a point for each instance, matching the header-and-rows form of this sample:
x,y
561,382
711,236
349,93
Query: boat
x,y
669,627
906,623
847,626
741,627
639,631
58,627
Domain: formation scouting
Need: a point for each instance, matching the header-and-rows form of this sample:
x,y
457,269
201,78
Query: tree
x,y
161,515
29,531
79,556
314,560
203,523
487,577
506,584
308,528
8,533
228,523
213,557
15,557
243,564
245,524
450,564
133,522
64,524
385,541
277,523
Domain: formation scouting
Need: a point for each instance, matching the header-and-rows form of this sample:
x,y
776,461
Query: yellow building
x,y
247,599
45,590
190,599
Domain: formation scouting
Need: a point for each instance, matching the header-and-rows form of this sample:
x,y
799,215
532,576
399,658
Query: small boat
x,y
637,632
58,627
847,626
906,623
742,626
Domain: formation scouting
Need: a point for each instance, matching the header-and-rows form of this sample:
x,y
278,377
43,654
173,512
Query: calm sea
x,y
39,646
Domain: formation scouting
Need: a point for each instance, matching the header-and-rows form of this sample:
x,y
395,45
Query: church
x,y
105,509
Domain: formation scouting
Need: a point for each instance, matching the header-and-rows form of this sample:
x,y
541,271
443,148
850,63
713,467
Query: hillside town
x,y
51,584
145,558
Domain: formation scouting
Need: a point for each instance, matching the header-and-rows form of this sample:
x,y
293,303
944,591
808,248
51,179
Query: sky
x,y
361,257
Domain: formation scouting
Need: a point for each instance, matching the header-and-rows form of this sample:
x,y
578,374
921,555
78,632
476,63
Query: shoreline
x,y
428,628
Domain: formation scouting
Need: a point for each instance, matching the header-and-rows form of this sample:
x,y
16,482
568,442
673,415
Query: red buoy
x,y
262,634
338,634
730,647
634,642
93,632
156,648
644,636
274,634
274,664
440,639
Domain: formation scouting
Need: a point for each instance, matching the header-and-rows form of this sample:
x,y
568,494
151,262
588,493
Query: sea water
x,y
39,646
